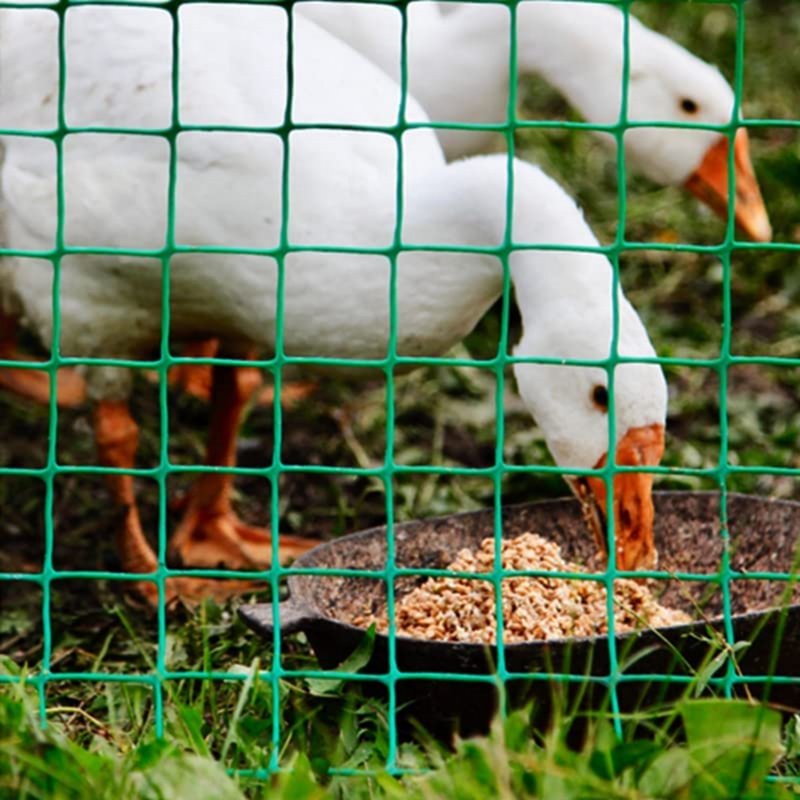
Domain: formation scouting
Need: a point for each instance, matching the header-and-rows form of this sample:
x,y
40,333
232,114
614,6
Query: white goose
x,y
458,69
341,191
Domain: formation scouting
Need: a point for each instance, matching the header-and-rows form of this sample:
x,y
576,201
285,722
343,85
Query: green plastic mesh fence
x,y
158,678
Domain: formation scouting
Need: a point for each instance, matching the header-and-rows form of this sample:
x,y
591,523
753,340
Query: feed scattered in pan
x,y
463,609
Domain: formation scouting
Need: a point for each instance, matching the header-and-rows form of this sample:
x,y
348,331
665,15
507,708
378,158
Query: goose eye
x,y
600,397
689,105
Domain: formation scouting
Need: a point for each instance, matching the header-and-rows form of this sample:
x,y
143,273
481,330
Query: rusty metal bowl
x,y
765,613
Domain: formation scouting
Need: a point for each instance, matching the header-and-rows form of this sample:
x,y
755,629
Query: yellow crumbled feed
x,y
463,609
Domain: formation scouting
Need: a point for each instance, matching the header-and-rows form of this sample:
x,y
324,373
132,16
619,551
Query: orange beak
x,y
709,182
633,499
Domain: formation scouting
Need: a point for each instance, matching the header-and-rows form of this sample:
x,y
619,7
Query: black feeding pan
x,y
763,533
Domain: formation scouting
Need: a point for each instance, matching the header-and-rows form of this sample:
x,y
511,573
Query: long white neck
x,y
466,205
578,48
459,62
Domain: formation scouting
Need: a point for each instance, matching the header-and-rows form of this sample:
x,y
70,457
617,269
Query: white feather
x,y
342,190
458,68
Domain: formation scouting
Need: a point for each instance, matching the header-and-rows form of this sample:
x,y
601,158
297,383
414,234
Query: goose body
x,y
458,69
228,194
341,193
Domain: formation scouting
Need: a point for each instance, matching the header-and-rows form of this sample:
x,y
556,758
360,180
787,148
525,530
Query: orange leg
x,y
195,379
210,534
31,383
291,393
117,437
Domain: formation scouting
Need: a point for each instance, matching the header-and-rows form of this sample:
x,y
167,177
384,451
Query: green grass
x,y
100,737
104,748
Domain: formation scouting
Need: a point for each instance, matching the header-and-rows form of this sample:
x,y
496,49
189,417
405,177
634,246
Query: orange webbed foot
x,y
35,385
292,394
224,541
197,379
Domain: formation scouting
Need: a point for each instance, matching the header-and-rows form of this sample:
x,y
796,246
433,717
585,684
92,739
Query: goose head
x,y
669,84
571,406
666,84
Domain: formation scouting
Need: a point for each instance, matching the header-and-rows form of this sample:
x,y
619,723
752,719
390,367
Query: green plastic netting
x,y
390,471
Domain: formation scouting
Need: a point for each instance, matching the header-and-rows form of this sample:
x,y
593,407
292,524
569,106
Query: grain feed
x,y
463,609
